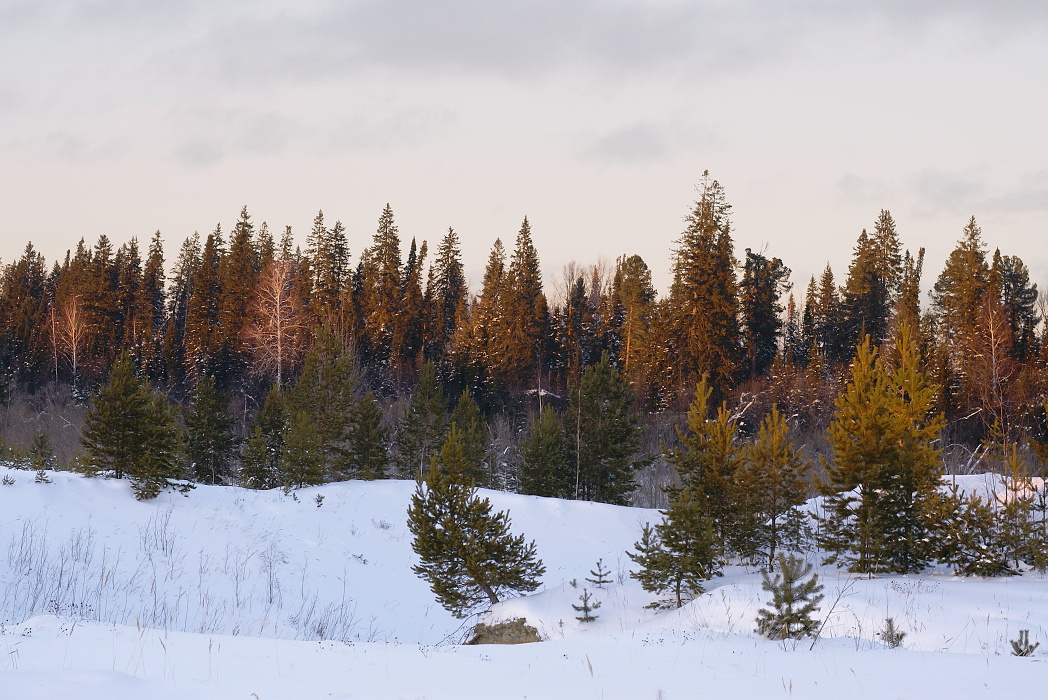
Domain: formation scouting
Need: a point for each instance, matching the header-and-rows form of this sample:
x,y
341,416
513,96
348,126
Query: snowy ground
x,y
228,593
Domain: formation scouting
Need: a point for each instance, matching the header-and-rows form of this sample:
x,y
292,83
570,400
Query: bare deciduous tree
x,y
276,329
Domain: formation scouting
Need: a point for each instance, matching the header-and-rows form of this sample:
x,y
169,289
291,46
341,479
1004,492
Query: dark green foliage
x,y
1022,646
679,554
302,463
41,455
607,435
325,392
966,535
872,287
260,460
764,281
466,553
130,433
210,442
421,430
599,574
467,418
793,601
544,469
586,607
367,445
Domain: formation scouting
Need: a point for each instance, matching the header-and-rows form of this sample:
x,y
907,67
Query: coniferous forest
x,y
729,399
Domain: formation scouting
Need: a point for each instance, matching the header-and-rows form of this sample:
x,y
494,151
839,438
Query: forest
x,y
249,360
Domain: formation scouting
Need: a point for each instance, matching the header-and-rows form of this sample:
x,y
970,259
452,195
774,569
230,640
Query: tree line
x,y
279,365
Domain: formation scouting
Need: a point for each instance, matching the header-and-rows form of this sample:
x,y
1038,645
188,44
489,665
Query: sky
x,y
596,120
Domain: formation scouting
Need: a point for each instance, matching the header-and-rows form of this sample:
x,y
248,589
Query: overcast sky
x,y
594,119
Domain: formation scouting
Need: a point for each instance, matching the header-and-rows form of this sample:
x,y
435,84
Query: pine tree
x,y
607,435
514,346
770,484
544,469
793,601
586,607
634,294
210,443
203,341
706,461
679,554
881,484
413,313
466,553
599,574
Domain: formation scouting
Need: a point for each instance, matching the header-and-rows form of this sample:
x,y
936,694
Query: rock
x,y
505,632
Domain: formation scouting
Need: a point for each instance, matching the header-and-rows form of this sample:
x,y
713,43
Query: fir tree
x,y
210,442
793,601
446,289
544,469
302,462
466,553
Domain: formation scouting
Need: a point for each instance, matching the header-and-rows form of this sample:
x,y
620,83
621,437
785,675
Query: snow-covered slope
x,y
225,592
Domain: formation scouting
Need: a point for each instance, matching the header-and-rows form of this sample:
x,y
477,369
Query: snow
x,y
230,593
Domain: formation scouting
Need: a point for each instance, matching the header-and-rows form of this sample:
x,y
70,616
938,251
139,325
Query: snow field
x,y
226,592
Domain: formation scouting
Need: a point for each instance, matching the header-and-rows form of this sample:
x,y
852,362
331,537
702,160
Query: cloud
x,y
639,143
199,153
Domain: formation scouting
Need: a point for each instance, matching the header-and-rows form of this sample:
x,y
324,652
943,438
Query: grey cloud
x,y
937,191
632,144
199,153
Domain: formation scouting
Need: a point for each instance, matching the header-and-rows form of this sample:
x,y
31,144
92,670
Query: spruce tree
x,y
544,468
607,435
446,288
764,281
367,445
263,452
466,553
467,418
704,294
117,423
302,462
210,442
421,430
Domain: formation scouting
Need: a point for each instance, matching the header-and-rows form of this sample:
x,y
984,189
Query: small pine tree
x,y
793,601
890,635
466,553
588,605
466,415
1022,646
303,460
41,456
600,575
421,431
678,554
